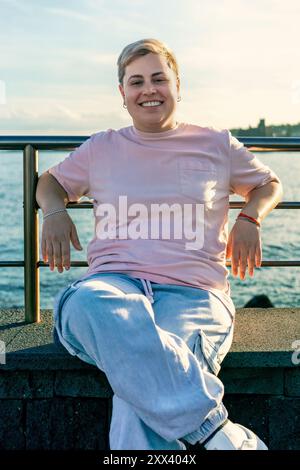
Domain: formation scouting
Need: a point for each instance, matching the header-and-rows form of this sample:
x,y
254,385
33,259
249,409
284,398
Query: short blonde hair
x,y
144,47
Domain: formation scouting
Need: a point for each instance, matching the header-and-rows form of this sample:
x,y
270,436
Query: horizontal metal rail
x,y
82,264
30,146
232,205
70,142
280,205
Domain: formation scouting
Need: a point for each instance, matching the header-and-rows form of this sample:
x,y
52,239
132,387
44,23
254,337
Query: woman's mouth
x,y
151,104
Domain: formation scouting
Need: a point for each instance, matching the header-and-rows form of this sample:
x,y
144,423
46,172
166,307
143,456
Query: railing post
x,y
31,236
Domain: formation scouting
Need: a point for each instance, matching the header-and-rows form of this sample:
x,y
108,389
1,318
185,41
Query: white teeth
x,y
151,103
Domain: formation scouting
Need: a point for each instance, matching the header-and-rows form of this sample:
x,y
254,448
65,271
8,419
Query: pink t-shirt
x,y
133,172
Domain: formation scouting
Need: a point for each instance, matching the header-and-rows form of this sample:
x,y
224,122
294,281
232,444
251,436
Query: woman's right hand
x,y
57,231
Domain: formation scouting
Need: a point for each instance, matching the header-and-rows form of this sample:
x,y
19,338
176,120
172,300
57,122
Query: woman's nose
x,y
149,88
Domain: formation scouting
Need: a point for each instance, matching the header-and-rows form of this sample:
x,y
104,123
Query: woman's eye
x,y
157,80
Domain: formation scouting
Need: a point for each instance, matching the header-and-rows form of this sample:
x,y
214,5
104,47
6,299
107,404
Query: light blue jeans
x,y
160,346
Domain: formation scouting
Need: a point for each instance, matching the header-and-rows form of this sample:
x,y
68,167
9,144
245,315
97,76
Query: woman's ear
x,y
122,91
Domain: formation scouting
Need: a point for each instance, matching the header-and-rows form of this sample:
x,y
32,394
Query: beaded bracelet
x,y
53,212
248,218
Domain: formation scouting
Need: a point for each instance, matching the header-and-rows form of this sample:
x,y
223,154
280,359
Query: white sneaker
x,y
233,436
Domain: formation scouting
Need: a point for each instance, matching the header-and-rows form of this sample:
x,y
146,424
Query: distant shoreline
x,y
279,130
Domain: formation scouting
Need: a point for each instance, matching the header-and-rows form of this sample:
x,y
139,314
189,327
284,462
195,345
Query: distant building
x,y
262,128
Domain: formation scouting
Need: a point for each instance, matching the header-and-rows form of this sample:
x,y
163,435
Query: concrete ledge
x,y
262,338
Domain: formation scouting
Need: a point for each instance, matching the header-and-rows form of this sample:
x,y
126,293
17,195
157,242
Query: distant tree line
x,y
282,130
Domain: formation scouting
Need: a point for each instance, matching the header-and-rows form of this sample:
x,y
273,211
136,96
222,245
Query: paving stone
x,y
253,381
82,384
91,424
50,424
251,411
284,423
12,435
292,382
14,384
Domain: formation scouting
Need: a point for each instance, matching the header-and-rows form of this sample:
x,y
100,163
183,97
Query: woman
x,y
154,311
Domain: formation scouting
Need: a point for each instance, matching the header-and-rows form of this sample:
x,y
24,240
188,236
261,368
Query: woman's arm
x,y
58,229
260,201
244,244
50,194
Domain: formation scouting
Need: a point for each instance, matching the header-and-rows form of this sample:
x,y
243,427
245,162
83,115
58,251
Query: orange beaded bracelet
x,y
247,217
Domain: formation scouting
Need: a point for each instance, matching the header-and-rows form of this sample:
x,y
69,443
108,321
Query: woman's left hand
x,y
244,246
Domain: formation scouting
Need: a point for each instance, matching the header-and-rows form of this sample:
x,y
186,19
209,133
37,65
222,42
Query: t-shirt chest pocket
x,y
197,179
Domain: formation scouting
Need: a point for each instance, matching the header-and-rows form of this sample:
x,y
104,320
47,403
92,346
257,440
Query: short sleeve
x,y
246,171
73,172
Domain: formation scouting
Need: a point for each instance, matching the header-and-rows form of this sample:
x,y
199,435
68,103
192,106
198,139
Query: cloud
x,y
17,4
71,14
236,59
45,115
64,111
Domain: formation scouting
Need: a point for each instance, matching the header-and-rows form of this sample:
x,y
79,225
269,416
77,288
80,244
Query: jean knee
x,y
105,307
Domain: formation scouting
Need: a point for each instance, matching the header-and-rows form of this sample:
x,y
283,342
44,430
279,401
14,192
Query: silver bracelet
x,y
53,212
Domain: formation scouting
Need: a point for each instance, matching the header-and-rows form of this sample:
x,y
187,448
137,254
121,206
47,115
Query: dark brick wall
x,y
54,410
71,409
275,419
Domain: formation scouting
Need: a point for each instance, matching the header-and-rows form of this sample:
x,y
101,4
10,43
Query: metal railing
x,y
30,146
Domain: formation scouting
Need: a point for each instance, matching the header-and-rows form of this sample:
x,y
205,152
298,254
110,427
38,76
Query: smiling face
x,y
149,79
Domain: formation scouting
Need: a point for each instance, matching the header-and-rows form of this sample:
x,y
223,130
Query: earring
x,y
179,98
124,106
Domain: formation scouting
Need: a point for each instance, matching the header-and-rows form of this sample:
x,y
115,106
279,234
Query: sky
x,y
238,61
